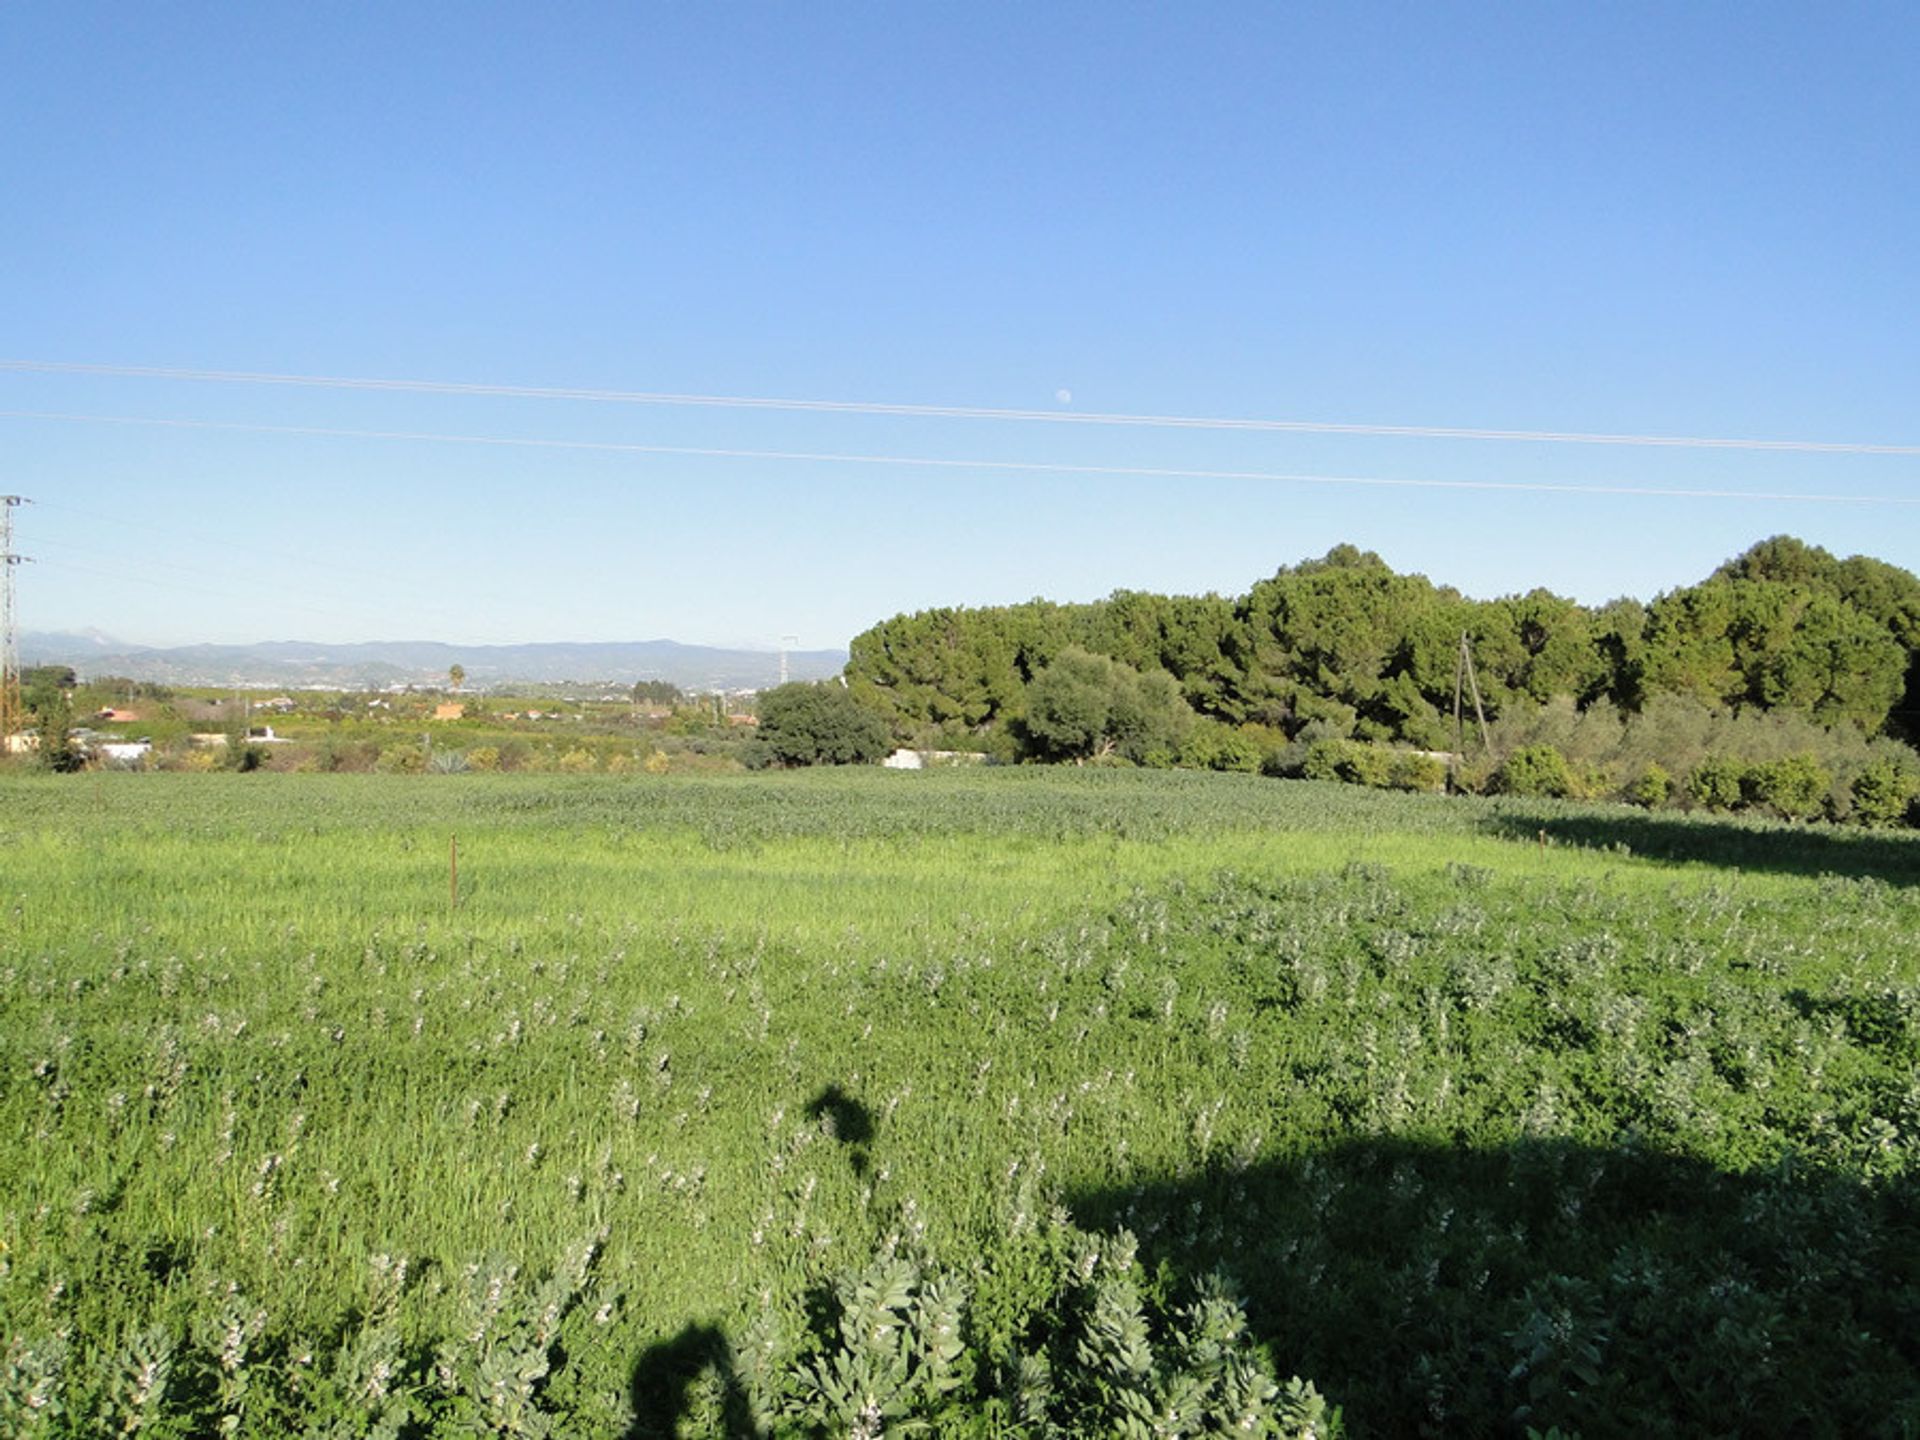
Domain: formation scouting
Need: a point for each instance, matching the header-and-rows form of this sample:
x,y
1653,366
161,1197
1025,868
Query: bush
x,y
1535,770
1322,760
401,760
802,724
1212,746
1084,706
1715,783
1794,787
1411,770
1651,787
483,757
577,762
1883,793
1354,762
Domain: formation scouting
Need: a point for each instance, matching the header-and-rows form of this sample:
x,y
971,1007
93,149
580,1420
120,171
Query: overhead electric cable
x,y
957,412
931,462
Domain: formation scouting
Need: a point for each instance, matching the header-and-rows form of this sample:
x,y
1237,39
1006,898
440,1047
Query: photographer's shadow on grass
x,y
1609,1290
845,1120
1892,857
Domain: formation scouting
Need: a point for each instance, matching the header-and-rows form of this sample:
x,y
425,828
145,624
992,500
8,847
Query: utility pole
x,y
1463,680
12,712
785,642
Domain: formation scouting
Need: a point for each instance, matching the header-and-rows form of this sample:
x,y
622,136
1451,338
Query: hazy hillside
x,y
377,663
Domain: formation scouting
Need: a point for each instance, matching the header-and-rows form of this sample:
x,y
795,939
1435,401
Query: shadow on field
x,y
1435,1290
664,1380
1857,854
846,1120
667,1376
1610,1290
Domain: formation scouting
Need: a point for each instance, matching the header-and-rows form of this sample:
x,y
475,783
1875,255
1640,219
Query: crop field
x,y
824,1102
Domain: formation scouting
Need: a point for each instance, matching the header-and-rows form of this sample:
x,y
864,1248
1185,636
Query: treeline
x,y
1783,643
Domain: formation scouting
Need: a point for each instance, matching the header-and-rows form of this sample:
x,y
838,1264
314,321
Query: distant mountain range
x,y
375,664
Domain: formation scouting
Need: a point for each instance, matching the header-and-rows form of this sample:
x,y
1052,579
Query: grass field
x,y
1496,1116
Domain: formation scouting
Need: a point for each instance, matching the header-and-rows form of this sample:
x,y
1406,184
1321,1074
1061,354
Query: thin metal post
x,y
12,711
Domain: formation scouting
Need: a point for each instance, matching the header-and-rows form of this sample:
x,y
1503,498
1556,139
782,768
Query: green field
x,y
1496,1116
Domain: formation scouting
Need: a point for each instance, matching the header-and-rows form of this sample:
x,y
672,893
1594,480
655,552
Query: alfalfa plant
x,y
32,1386
494,1375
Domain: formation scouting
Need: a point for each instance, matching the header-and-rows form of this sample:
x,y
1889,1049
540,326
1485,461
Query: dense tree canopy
x,y
1346,647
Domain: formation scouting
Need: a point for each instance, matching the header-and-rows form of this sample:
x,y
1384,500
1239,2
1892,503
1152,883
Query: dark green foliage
x,y
802,724
56,747
1086,706
962,668
43,685
1536,770
1344,647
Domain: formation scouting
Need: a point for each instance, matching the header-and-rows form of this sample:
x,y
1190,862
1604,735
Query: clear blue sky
x,y
1695,220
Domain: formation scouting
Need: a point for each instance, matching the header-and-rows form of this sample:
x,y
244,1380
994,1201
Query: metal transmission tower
x,y
11,710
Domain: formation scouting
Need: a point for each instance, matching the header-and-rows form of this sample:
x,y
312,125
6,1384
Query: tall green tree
x,y
1775,645
819,724
1086,706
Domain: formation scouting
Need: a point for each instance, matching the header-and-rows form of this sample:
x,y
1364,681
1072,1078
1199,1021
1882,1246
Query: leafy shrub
x,y
1651,787
802,724
1884,792
483,757
1795,786
1322,760
1411,770
1716,783
1083,706
401,760
1353,761
577,761
1535,770
1211,745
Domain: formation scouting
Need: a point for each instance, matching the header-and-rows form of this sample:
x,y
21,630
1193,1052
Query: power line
x,y
956,412
931,462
